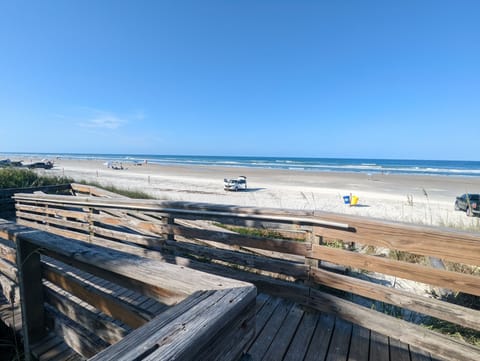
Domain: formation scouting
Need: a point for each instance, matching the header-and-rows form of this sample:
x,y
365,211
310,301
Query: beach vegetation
x,y
253,232
447,328
25,178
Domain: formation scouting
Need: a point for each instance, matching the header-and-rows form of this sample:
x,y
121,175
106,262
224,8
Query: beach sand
x,y
407,198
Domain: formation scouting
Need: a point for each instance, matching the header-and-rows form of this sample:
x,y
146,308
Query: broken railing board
x,y
95,191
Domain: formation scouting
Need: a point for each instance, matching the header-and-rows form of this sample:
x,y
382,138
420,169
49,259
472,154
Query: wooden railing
x,y
205,316
295,268
7,204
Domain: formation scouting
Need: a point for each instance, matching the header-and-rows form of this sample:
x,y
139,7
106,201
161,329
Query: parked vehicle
x,y
470,203
9,163
239,183
43,164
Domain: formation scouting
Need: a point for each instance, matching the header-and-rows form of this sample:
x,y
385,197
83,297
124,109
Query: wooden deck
x,y
297,317
284,330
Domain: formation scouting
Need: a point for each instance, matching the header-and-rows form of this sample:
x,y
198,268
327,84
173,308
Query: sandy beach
x,y
406,198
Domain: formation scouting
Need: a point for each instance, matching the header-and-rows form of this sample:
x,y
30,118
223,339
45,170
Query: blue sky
x,y
378,79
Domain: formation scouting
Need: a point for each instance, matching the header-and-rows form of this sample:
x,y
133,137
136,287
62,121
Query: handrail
x,y
169,207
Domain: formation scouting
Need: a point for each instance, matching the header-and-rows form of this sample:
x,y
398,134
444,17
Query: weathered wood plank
x,y
267,335
339,344
321,338
81,340
450,280
47,220
9,270
280,344
299,271
417,354
103,327
422,240
232,239
232,340
84,237
441,345
265,312
10,289
128,237
398,350
211,313
379,350
299,345
8,250
109,304
51,211
359,344
428,306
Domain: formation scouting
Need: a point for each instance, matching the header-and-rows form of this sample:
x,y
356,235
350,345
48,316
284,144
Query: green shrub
x,y
24,178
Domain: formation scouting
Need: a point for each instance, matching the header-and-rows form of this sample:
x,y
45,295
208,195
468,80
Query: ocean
x,y
367,166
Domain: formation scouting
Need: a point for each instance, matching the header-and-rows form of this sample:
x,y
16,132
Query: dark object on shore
x,y
10,163
470,203
43,165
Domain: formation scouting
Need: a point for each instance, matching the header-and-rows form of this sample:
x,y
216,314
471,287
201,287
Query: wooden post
x,y
312,238
31,294
46,216
91,233
168,221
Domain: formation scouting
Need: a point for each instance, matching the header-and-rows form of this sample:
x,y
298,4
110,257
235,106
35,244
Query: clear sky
x,y
374,79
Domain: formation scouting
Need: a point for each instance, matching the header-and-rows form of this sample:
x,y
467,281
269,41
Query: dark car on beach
x,y
469,203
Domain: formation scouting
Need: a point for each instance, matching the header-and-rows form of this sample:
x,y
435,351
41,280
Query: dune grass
x,y
25,178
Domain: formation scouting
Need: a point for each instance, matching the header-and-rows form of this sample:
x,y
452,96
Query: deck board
x,y
267,335
379,350
399,351
340,338
301,341
321,338
285,334
359,344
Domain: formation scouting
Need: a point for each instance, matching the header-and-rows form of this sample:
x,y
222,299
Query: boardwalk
x,y
156,248
284,330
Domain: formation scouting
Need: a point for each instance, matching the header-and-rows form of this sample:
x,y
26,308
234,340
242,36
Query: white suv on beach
x,y
235,184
